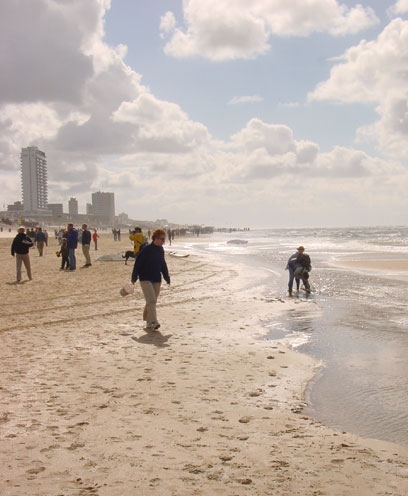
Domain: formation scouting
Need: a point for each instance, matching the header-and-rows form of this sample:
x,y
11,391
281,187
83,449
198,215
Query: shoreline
x,y
92,403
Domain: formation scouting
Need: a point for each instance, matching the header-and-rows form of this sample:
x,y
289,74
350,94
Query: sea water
x,y
355,322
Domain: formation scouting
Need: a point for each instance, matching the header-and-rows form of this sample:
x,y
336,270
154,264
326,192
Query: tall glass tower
x,y
34,179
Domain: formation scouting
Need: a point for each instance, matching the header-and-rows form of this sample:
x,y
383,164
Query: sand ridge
x,y
92,404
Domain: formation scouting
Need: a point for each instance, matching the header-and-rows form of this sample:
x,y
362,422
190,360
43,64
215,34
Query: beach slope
x,y
92,404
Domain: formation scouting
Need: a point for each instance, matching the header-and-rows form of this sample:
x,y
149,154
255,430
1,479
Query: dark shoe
x,y
290,292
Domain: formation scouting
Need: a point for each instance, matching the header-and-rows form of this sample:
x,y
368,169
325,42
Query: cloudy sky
x,y
261,113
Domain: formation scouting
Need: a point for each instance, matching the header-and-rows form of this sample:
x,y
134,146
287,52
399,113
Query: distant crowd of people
x,y
116,234
68,240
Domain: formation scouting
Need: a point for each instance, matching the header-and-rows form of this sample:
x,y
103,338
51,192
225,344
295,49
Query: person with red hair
x,y
149,267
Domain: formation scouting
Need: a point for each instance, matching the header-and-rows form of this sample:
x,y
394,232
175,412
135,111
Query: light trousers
x,y
85,251
40,247
151,291
20,259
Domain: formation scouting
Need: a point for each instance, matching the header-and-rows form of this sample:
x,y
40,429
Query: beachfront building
x,y
34,179
73,206
57,209
103,207
123,218
17,206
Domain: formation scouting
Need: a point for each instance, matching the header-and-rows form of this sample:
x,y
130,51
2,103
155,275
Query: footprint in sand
x,y
244,420
35,470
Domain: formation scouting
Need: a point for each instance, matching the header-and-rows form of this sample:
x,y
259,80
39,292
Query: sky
x,y
265,113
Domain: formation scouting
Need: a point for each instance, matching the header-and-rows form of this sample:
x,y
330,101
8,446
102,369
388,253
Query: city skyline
x,y
266,113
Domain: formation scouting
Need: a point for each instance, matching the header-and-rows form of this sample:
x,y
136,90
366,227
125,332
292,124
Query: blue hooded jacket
x,y
72,239
150,265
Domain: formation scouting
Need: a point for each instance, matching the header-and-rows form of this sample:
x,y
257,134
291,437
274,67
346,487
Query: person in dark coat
x,y
40,240
149,267
86,244
64,253
20,249
72,243
303,267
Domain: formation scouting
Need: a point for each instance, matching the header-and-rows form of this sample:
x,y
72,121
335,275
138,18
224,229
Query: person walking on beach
x,y
20,248
86,244
149,266
291,267
303,267
40,241
72,243
95,237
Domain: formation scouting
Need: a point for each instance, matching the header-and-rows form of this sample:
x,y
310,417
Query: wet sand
x,y
381,265
92,404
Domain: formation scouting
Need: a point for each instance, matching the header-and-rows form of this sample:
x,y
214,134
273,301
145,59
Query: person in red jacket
x,y
95,237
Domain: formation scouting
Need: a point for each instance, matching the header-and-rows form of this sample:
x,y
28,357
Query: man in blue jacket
x,y
72,244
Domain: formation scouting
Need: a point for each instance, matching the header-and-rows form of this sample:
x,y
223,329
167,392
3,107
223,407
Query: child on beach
x,y
64,253
95,237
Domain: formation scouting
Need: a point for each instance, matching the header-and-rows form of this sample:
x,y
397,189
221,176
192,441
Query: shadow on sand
x,y
153,337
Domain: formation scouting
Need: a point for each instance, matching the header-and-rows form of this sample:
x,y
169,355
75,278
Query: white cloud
x,y
167,24
231,29
401,7
375,72
245,99
261,151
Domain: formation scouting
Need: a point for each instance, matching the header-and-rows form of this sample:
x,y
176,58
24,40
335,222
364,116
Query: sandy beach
x,y
92,404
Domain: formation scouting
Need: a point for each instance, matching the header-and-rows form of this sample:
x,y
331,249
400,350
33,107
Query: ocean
x,y
355,322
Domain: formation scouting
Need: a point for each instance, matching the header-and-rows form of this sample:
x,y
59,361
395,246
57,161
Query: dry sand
x,y
92,404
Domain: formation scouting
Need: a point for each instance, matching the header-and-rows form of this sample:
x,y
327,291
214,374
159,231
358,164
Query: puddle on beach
x,y
363,343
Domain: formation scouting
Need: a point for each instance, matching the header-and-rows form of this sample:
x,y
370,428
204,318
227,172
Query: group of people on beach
x,y
149,267
69,243
68,240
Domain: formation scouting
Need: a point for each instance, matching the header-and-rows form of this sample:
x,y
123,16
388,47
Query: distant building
x,y
73,206
15,207
56,209
89,209
123,218
34,179
103,207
